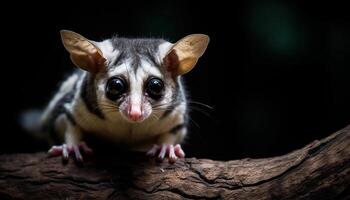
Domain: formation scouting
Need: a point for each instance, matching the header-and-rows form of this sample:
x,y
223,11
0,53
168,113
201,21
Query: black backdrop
x,y
276,72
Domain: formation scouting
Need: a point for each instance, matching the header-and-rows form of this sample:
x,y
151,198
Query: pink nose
x,y
135,113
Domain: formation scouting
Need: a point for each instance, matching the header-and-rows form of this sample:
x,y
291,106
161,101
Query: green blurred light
x,y
275,26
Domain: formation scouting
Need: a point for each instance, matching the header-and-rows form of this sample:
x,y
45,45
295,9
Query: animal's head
x,y
135,77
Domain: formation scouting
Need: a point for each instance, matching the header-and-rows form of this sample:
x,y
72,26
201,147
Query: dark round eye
x,y
115,88
154,88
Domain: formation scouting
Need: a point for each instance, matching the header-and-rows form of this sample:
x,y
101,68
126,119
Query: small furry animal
x,y
128,91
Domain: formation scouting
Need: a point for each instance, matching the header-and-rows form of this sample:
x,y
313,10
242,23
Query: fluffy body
x,y
81,106
128,91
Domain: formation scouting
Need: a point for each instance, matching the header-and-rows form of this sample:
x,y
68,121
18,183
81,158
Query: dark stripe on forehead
x,y
121,57
139,45
152,60
136,62
137,49
89,96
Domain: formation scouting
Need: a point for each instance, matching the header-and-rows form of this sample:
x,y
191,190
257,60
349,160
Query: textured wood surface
x,y
320,170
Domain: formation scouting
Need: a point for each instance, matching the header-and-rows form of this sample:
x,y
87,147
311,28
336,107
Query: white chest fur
x,y
117,129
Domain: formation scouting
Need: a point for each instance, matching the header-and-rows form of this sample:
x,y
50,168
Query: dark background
x,y
276,72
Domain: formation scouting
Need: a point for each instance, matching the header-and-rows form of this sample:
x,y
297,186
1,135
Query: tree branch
x,y
320,170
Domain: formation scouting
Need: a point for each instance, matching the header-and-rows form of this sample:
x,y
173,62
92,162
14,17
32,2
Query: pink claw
x,y
172,153
86,149
55,151
152,152
178,151
64,150
77,153
172,156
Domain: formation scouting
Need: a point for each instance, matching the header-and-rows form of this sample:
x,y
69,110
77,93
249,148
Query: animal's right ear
x,y
83,53
184,54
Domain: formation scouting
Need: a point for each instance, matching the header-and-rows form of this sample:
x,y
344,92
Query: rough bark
x,y
320,170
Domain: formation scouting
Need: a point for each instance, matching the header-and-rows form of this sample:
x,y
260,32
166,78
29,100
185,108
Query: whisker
x,y
191,108
202,104
155,116
105,105
201,111
164,104
193,122
109,109
189,117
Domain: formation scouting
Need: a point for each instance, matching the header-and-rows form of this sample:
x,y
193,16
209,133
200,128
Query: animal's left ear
x,y
83,52
184,54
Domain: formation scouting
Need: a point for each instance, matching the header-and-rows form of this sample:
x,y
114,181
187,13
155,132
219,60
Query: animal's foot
x,y
65,150
169,151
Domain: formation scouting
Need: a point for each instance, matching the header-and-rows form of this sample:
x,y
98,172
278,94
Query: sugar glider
x,y
128,91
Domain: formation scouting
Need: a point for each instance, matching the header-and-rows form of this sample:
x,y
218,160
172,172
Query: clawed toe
x,y
64,150
166,151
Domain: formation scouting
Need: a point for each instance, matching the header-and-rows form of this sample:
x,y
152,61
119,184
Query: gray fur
x,y
58,110
133,50
88,95
178,97
136,49
121,57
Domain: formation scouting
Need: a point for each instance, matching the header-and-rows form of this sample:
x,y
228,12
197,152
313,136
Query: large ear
x,y
83,52
184,54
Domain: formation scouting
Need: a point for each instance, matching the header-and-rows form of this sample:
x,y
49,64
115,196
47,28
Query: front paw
x,y
169,151
65,150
